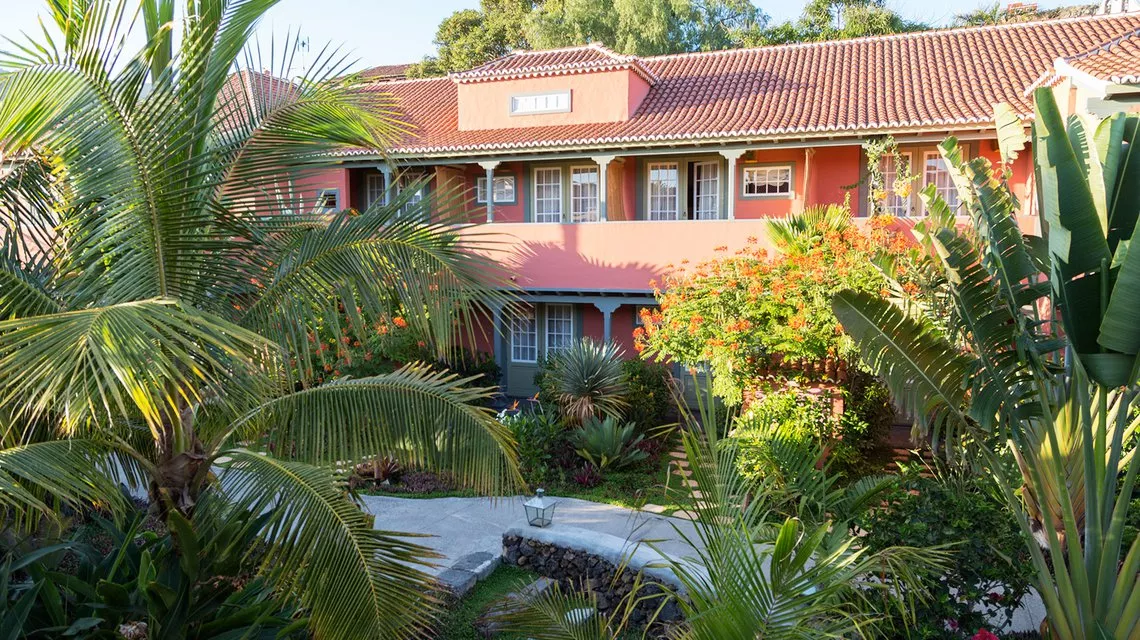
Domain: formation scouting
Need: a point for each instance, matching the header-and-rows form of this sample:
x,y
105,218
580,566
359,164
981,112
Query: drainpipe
x,y
808,153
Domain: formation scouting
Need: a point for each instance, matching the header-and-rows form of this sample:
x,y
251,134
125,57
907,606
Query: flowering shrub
x,y
738,313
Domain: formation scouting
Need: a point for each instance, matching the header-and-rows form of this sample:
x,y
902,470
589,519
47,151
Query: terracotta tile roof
x,y
553,62
921,81
250,90
385,72
1116,61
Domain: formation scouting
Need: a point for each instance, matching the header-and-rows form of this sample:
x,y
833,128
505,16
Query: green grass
x,y
459,621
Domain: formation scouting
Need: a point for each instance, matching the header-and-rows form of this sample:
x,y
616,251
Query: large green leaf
x,y
357,582
925,373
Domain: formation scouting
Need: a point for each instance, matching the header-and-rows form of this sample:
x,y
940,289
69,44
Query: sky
x,y
373,32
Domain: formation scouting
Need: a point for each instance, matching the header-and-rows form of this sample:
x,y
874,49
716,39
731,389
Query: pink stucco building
x,y
600,169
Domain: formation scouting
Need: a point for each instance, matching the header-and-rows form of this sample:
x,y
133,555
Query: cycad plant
x,y
162,287
1042,351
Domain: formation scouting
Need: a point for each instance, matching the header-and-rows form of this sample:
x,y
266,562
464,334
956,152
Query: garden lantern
x,y
539,509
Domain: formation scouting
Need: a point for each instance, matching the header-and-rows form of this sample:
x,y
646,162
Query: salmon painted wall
x,y
308,184
1021,178
621,326
504,212
831,172
603,96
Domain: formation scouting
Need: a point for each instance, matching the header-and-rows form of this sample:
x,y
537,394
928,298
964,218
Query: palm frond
x,y
553,614
356,582
924,372
424,418
39,477
91,366
797,233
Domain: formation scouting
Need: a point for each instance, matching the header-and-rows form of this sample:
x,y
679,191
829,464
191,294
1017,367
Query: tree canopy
x,y
471,37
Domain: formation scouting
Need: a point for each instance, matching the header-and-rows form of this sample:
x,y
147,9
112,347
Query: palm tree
x,y
161,284
1042,351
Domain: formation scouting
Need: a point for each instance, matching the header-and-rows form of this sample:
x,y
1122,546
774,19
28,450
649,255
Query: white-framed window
x,y
524,335
637,310
504,191
547,102
373,189
936,172
766,181
706,190
559,327
584,194
664,191
548,194
892,165
328,200
409,181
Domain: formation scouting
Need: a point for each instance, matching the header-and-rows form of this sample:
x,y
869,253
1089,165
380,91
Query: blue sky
x,y
392,31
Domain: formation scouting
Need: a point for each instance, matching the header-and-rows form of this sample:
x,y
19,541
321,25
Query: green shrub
x,y
648,395
868,412
584,381
798,418
541,436
606,444
991,571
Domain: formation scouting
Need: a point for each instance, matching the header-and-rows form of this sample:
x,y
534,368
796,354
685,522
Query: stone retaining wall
x,y
581,560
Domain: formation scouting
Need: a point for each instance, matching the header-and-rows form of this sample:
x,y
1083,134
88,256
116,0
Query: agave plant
x,y
606,443
589,380
160,285
1062,398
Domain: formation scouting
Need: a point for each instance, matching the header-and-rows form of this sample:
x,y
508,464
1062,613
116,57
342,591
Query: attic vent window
x,y
531,103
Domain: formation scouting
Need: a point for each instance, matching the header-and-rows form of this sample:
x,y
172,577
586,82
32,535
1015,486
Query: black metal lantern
x,y
539,509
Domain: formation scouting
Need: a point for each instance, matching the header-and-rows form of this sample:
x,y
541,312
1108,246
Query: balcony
x,y
610,256
627,255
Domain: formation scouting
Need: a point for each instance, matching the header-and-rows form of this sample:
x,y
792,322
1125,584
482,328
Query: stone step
x,y
685,515
653,508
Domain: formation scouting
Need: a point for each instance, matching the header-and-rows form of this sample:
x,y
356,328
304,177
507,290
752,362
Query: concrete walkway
x,y
464,526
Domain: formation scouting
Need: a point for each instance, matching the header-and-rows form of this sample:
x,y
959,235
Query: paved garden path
x,y
462,526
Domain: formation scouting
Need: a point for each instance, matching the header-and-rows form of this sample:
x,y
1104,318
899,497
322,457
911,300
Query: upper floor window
x,y
766,181
559,327
504,190
706,190
584,194
892,166
373,189
550,102
936,172
663,191
328,200
548,195
524,335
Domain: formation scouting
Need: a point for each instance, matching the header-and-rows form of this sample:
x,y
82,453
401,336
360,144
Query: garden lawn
x,y
459,621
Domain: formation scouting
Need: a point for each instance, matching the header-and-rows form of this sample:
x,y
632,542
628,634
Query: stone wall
x,y
585,561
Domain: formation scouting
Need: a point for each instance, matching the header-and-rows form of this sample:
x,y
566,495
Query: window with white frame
x,y
524,335
552,102
559,327
892,165
638,321
766,181
706,190
373,189
548,194
936,172
504,190
584,194
412,181
663,191
328,200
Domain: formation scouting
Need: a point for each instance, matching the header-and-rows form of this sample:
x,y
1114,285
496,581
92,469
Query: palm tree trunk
x,y
180,469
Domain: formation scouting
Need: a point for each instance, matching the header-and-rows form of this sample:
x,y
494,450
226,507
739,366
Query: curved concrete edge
x,y
615,550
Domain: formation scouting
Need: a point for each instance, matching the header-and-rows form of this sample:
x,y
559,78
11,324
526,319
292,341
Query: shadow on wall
x,y
569,265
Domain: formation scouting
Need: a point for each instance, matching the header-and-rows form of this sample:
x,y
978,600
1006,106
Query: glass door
x,y
706,190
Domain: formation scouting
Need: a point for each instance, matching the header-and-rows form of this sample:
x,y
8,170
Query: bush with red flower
x,y
740,312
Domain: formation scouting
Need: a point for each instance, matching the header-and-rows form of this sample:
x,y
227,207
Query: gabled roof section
x,y
554,62
931,81
385,73
249,92
1116,61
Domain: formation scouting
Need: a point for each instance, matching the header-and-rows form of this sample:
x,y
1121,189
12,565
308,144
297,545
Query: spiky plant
x,y
589,380
160,283
798,233
1045,354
